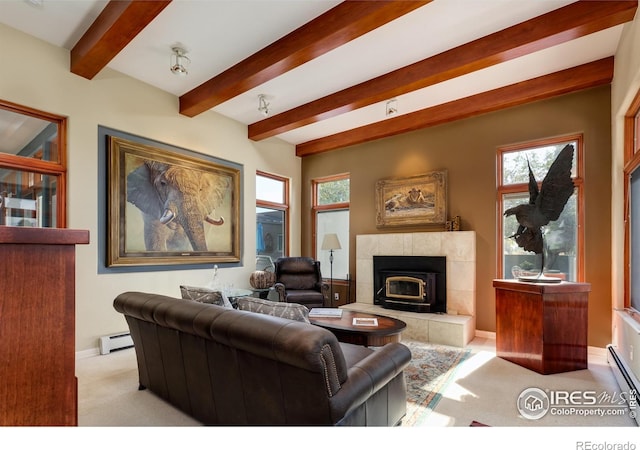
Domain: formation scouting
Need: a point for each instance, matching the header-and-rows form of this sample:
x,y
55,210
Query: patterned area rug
x,y
430,371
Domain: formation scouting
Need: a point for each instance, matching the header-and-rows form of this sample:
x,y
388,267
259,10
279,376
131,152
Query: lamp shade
x,y
331,242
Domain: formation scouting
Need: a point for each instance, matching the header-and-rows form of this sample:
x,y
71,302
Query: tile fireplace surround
x,y
457,327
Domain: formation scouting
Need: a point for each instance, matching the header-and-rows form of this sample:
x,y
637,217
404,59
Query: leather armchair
x,y
299,280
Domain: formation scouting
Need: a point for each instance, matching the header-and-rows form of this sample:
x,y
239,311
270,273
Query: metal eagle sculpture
x,y
545,204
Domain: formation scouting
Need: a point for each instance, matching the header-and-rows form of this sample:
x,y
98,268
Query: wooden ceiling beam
x,y
118,23
581,77
562,25
338,26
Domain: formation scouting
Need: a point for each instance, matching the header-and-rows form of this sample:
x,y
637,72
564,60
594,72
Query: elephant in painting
x,y
176,202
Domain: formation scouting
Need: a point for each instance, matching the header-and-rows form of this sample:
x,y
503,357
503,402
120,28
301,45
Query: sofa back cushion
x,y
284,341
292,311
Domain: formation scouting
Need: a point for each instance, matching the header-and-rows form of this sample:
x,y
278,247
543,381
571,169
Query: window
x,y
331,216
32,168
272,218
563,236
632,202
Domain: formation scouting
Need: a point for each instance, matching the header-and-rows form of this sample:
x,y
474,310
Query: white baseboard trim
x,y
486,334
479,334
596,351
87,353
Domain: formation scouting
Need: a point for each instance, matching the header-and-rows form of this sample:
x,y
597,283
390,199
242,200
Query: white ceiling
x,y
220,33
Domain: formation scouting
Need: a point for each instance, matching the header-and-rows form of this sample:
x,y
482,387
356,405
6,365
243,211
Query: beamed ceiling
x,y
328,68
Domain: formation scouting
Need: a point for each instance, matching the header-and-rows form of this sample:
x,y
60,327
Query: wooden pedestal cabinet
x,y
542,327
38,384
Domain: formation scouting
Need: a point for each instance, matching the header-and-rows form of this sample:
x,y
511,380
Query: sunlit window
x,y
632,206
272,211
563,236
331,216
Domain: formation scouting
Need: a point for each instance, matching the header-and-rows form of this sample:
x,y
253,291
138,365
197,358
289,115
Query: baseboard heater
x,y
627,381
114,342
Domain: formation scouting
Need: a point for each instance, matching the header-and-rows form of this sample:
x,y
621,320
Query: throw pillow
x,y
204,295
291,311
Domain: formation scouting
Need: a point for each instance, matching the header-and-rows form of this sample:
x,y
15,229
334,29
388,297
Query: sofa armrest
x,y
369,375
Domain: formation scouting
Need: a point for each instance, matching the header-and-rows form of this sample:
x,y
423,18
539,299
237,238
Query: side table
x,y
542,327
233,294
261,293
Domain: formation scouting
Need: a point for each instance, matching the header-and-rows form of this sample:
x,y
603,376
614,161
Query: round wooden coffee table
x,y
387,330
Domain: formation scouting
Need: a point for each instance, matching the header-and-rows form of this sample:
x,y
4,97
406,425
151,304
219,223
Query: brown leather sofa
x,y
228,367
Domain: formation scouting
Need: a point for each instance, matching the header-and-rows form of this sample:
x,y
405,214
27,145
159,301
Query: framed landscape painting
x,y
168,208
415,200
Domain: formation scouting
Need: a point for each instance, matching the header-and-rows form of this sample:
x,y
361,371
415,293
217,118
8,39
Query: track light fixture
x,y
392,107
179,62
263,106
35,3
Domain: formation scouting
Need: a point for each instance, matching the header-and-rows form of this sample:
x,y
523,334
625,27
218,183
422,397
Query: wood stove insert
x,y
411,283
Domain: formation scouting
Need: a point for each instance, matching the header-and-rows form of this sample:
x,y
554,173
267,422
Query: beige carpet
x,y
485,389
108,395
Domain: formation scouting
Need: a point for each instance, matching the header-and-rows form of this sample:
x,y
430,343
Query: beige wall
x,y
625,85
467,149
111,99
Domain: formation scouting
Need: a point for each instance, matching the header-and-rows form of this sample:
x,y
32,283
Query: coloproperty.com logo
x,y
535,403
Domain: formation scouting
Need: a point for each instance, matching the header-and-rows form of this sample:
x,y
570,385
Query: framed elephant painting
x,y
170,208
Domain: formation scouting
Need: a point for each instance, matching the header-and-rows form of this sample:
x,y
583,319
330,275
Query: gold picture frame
x,y
414,200
170,207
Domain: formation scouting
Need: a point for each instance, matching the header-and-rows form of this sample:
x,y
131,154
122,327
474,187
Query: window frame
x,y
631,142
502,190
285,206
38,166
317,208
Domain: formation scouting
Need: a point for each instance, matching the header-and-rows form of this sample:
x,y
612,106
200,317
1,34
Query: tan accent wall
x,y
467,150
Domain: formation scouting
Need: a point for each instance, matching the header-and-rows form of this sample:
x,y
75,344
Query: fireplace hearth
x,y
410,283
457,326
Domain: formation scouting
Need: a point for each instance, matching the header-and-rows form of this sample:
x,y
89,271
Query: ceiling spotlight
x,y
263,106
392,107
179,62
